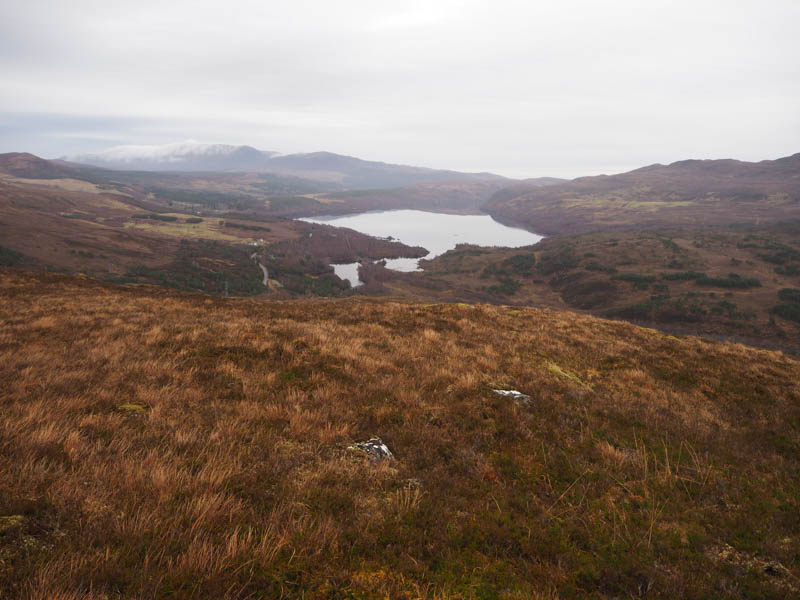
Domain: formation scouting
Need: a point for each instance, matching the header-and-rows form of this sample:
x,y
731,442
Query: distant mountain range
x,y
184,156
347,171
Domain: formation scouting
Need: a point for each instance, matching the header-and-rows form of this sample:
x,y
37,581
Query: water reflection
x,y
348,271
436,232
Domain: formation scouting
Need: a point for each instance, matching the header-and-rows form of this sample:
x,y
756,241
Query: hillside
x,y
723,282
466,197
164,445
30,166
689,193
191,231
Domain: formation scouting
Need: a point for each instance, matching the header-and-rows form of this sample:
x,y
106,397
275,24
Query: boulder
x,y
518,397
375,448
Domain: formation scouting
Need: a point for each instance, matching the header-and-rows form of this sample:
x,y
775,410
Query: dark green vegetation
x,y
295,205
790,306
203,198
596,266
793,269
204,266
561,259
308,278
521,265
683,276
164,445
157,217
733,280
9,258
640,282
246,227
710,282
791,295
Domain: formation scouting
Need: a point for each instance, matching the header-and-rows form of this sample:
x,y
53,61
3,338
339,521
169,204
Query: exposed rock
x,y
374,448
778,574
518,397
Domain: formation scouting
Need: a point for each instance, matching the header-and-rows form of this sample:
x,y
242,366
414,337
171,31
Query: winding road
x,y
265,282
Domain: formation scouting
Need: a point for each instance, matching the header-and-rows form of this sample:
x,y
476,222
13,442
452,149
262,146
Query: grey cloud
x,y
522,88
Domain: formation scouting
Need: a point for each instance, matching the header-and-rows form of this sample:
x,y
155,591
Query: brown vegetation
x,y
677,280
164,445
689,193
137,226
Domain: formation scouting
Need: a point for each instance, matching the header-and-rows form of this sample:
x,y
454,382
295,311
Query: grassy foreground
x,y
164,445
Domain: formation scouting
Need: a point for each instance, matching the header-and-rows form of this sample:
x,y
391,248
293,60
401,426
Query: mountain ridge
x,y
353,172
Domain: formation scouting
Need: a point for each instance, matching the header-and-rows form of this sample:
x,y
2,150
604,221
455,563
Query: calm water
x,y
436,232
348,271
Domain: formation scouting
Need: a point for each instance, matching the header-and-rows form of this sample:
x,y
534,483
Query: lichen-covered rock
x,y
776,573
375,448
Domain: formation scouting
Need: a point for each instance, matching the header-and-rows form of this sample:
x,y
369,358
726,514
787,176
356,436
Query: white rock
x,y
514,395
375,448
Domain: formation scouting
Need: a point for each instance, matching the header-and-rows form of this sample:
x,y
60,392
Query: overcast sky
x,y
529,88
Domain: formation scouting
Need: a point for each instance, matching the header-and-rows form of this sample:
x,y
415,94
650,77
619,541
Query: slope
x,y
689,193
180,446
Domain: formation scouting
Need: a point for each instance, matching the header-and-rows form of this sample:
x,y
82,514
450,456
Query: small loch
x,y
436,232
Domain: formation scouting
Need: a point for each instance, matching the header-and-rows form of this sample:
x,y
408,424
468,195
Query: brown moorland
x,y
156,444
198,231
688,193
55,217
723,281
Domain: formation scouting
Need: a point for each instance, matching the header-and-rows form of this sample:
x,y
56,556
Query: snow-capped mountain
x,y
344,171
182,156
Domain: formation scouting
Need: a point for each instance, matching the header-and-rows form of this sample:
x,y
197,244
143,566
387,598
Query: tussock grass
x,y
635,461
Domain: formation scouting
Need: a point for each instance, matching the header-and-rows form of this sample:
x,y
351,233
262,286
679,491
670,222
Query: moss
x,y
556,370
132,408
11,523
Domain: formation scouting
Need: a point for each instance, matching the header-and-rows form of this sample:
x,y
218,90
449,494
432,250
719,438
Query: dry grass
x,y
160,445
591,283
209,229
71,185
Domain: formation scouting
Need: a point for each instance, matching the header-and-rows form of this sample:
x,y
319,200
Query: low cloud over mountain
x,y
323,166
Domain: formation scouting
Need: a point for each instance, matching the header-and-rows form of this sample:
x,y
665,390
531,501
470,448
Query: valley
x,y
698,247
367,300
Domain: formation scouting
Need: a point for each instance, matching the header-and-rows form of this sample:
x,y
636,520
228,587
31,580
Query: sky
x,y
561,88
